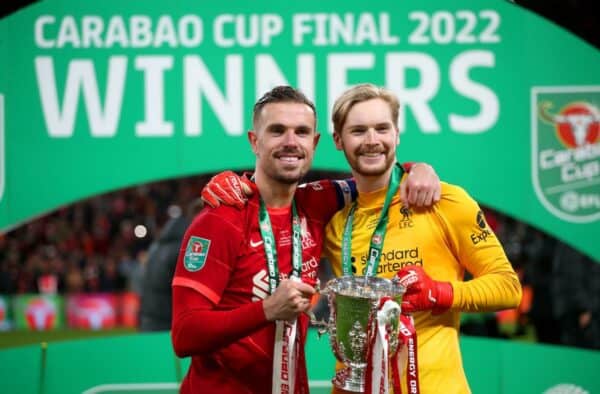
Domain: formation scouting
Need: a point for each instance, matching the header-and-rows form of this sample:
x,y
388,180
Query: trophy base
x,y
351,380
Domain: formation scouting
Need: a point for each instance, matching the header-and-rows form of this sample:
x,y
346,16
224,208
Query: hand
x,y
289,299
227,188
424,293
421,187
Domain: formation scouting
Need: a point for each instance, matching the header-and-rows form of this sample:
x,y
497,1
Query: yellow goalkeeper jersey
x,y
447,239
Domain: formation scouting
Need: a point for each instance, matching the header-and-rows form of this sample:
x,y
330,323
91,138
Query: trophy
x,y
353,304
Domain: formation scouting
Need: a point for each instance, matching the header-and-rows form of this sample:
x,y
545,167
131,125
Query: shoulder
x,y
315,188
224,217
321,199
454,199
457,206
451,193
344,189
338,220
220,230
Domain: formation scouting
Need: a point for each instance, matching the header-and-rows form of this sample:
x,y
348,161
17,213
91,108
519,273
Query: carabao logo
x,y
95,313
40,314
196,252
566,151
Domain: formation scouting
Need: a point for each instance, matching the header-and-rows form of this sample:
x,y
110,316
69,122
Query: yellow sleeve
x,y
332,247
495,284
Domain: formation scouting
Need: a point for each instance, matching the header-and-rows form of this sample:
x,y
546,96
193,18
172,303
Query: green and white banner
x,y
95,96
38,312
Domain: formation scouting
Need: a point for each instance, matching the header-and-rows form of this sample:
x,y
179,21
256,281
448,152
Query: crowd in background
x,y
104,244
97,245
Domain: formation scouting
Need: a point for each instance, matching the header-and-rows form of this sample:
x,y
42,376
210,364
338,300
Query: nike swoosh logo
x,y
255,244
431,298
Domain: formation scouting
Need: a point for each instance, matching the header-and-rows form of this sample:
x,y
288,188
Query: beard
x,y
288,180
374,170
293,175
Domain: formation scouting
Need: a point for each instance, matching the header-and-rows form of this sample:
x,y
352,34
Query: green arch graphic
x,y
102,96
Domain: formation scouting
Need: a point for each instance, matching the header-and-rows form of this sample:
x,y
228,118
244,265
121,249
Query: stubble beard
x,y
367,171
287,177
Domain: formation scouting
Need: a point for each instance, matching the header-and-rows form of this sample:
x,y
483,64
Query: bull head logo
x,y
565,148
576,125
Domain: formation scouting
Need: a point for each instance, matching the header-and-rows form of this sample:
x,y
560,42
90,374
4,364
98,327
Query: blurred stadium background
x,y
99,269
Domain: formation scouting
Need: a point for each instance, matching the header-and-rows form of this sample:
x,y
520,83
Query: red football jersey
x,y
222,257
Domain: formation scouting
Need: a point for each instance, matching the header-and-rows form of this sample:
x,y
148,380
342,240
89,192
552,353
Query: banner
x,y
38,312
99,96
5,313
102,311
130,310
92,311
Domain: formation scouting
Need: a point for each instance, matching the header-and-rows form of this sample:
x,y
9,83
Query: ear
x,y
397,135
337,139
252,138
316,140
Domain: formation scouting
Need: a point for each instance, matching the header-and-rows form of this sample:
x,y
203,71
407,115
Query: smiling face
x,y
284,140
368,137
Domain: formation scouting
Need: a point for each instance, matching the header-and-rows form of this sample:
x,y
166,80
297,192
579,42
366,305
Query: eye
x,y
276,129
383,128
303,131
358,130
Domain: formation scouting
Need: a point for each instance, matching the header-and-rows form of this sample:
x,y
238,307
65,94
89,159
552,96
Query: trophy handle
x,y
321,325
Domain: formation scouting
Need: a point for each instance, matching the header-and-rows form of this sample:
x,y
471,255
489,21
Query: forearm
x,y
489,292
199,329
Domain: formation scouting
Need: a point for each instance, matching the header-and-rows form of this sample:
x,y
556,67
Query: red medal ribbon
x,y
408,337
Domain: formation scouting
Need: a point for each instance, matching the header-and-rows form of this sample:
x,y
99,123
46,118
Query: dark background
x,y
581,17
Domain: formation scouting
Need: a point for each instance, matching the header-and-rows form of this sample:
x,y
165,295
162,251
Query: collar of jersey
x,y
280,211
375,199
272,211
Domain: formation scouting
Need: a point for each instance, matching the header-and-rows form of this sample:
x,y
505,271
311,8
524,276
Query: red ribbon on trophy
x,y
381,368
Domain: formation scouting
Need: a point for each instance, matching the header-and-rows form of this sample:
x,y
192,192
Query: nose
x,y
289,138
370,136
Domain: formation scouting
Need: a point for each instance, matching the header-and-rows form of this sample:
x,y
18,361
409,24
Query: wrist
x,y
445,297
267,309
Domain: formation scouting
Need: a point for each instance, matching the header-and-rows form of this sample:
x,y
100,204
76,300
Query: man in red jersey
x,y
239,271
245,276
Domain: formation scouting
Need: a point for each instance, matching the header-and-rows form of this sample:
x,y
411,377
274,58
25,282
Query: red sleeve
x,y
199,329
322,199
208,252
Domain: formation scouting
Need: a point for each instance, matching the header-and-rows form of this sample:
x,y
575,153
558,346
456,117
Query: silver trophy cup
x,y
353,304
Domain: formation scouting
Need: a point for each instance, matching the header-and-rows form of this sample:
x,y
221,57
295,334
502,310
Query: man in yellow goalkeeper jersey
x,y
428,248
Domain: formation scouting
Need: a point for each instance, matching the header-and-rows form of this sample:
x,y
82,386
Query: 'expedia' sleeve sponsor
x,y
495,285
208,251
322,199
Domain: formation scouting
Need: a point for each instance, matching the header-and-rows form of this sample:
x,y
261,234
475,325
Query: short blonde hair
x,y
358,94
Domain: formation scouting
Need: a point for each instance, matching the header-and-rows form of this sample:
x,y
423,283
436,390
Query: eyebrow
x,y
277,126
376,125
